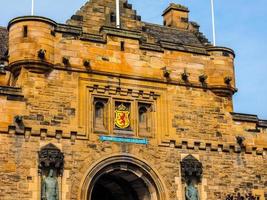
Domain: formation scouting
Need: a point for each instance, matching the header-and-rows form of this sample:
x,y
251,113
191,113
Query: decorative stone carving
x,y
228,80
50,157
41,54
191,169
86,63
19,124
66,61
185,76
203,78
51,164
240,141
166,72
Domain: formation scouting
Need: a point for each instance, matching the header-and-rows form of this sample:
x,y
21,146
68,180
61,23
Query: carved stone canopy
x,y
191,169
50,157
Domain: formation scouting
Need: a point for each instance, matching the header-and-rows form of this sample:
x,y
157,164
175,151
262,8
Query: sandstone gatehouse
x,y
91,111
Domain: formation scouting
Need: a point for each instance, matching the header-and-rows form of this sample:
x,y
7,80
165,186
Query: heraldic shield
x,y
122,119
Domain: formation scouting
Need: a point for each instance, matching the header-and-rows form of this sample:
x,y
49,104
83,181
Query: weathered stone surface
x,y
140,64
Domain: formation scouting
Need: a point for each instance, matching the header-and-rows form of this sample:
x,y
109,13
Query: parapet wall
x,y
68,48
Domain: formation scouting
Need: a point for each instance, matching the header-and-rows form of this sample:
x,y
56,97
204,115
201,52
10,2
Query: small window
x,y
122,46
144,119
100,114
112,17
225,54
184,19
25,31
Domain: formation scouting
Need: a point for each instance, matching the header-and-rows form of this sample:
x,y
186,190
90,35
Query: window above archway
x,y
121,116
100,112
145,119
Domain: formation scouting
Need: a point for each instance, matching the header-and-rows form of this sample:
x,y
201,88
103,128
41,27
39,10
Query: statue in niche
x,y
191,171
191,192
50,187
51,165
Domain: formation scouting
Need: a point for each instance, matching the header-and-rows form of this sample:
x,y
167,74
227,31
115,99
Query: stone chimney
x,y
176,16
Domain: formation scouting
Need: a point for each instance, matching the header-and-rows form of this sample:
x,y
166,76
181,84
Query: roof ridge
x,y
166,27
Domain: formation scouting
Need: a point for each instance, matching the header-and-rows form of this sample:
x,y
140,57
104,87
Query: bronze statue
x,y
191,192
50,187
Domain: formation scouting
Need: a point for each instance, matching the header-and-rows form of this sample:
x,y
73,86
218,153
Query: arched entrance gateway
x,y
122,177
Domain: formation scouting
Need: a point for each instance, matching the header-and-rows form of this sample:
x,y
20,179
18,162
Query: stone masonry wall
x,y
223,172
55,98
53,101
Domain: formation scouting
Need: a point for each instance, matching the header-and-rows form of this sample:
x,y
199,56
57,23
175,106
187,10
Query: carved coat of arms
x,y
122,119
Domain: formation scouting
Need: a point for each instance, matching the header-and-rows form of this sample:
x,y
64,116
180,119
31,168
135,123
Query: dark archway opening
x,y
120,185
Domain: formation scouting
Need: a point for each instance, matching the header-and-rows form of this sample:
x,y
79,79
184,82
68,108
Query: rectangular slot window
x,y
25,31
122,45
112,17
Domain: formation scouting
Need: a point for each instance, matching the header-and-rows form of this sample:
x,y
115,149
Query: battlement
x,y
44,38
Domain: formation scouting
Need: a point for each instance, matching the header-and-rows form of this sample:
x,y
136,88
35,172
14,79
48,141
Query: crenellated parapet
x,y
194,146
40,45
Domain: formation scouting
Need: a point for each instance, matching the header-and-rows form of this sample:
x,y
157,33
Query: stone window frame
x,y
106,102
90,87
151,116
109,101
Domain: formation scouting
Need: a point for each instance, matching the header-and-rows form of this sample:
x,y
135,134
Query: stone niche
x,y
51,165
191,175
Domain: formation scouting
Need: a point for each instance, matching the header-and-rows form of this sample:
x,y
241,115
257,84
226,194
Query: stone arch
x,y
122,166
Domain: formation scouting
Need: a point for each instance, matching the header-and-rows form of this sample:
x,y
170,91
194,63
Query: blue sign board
x,y
124,139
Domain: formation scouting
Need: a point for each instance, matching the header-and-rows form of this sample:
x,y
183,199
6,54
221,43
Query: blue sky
x,y
240,24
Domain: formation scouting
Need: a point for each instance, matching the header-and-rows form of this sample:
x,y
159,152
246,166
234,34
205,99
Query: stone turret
x,y
31,44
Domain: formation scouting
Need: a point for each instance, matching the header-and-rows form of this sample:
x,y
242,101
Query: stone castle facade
x,y
138,112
